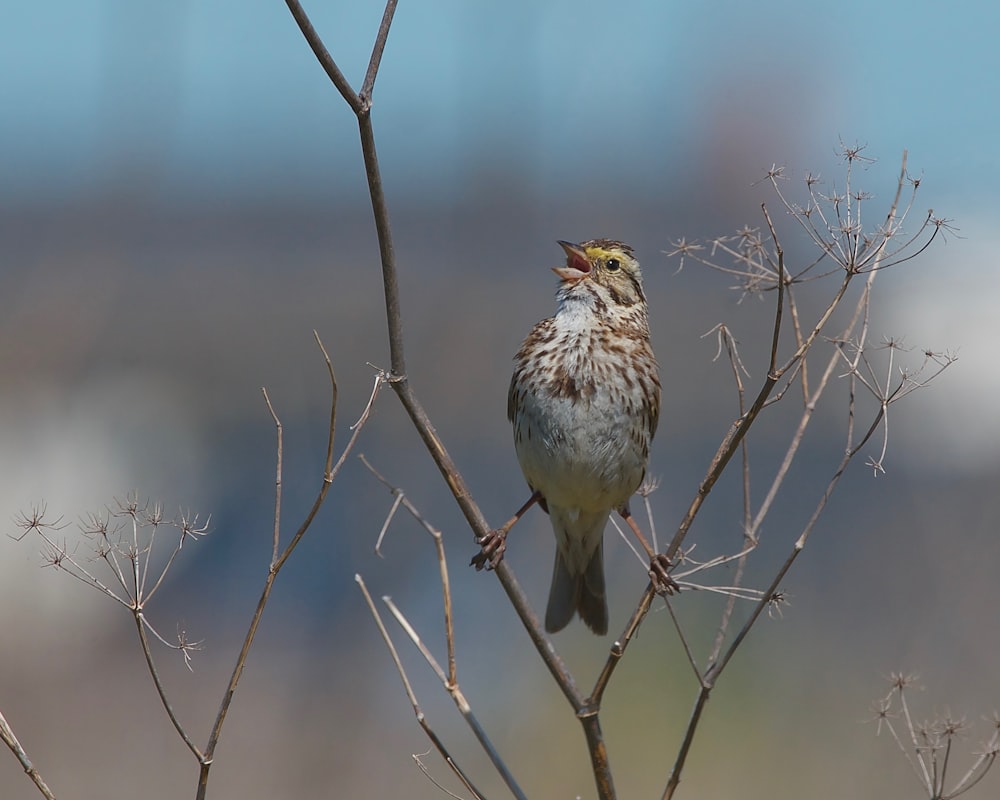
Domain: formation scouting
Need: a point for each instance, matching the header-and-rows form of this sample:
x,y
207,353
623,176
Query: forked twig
x,y
448,678
407,686
450,683
277,559
402,499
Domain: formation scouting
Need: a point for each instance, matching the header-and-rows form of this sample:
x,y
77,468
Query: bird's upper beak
x,y
577,265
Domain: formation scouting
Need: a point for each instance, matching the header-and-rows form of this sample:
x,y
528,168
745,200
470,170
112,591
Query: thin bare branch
x,y
692,661
140,625
620,644
388,521
411,695
451,686
736,366
272,574
675,773
330,472
376,59
780,306
279,450
390,285
9,739
323,56
442,563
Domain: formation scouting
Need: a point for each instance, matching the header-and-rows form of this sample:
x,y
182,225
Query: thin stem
x,y
981,766
390,286
330,471
944,763
9,739
740,427
620,645
451,686
408,688
273,570
280,449
227,700
730,606
795,443
716,669
134,556
323,56
779,310
675,773
140,625
383,34
148,550
449,631
916,743
148,595
692,661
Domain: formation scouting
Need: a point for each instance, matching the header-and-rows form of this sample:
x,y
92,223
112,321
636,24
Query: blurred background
x,y
182,202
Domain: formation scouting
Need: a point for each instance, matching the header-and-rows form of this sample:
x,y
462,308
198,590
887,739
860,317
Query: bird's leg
x,y
659,564
494,543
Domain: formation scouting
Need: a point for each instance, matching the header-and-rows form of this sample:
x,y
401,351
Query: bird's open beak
x,y
577,266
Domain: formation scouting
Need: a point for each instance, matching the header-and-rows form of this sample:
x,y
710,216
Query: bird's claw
x,y
492,547
659,574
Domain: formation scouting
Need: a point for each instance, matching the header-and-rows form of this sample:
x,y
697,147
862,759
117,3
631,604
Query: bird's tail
x,y
576,591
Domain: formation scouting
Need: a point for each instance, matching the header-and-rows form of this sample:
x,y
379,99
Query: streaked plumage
x,y
584,402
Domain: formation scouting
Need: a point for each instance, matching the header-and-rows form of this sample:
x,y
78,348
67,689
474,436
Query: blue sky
x,y
224,97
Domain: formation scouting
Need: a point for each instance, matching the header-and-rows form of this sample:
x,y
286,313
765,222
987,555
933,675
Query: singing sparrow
x,y
584,402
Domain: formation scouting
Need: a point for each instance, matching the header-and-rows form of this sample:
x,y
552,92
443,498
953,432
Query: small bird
x,y
584,402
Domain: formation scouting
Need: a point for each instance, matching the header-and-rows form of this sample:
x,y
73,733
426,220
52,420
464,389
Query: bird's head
x,y
607,263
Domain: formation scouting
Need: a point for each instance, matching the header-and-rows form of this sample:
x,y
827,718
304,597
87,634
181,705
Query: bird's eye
x,y
613,265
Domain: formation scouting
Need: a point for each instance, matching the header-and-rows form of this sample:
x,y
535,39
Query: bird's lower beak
x,y
577,265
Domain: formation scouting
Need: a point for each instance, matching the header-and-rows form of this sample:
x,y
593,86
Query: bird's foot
x,y
659,574
494,543
492,547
